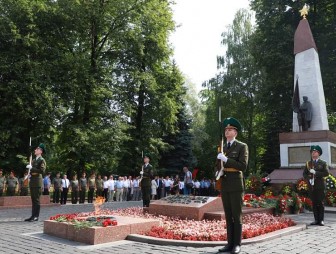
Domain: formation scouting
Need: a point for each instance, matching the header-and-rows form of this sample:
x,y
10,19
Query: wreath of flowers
x,y
330,182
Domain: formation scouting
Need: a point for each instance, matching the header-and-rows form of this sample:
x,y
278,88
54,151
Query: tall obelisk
x,y
307,69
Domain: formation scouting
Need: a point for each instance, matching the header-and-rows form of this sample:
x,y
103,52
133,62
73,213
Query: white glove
x,y
222,157
141,172
312,171
29,166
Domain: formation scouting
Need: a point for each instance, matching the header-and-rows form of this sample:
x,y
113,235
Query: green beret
x,y
231,122
42,147
316,148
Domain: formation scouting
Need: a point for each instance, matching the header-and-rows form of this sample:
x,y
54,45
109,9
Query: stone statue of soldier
x,y
305,114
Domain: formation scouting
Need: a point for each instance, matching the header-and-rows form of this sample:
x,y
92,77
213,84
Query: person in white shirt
x,y
154,186
197,186
119,189
181,186
130,188
64,190
167,184
111,188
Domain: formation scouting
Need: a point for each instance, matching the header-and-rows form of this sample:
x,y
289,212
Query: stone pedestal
x,y
23,201
295,152
295,147
193,211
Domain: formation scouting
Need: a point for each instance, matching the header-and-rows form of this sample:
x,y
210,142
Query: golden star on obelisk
x,y
304,11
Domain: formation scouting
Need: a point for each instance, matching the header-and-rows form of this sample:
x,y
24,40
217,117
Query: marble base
x,y
22,201
98,235
192,211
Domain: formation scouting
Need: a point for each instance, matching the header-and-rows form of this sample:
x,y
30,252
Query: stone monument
x,y
310,121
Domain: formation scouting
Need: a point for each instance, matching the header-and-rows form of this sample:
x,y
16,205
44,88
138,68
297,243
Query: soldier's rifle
x,y
220,170
25,180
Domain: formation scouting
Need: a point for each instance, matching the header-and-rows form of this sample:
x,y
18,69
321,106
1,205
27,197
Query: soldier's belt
x,y
35,174
230,170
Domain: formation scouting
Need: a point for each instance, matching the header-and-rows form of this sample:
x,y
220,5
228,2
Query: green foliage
x,y
94,80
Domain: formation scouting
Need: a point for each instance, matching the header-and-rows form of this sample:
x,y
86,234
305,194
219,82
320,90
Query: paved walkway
x,y
17,236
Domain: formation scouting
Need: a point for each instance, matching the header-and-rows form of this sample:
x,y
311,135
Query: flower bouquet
x,y
302,187
253,184
331,198
296,203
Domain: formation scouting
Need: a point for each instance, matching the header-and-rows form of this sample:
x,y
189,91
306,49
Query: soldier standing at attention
x,y
235,159
11,184
147,176
92,187
57,183
82,188
100,186
315,171
24,185
2,182
36,170
74,185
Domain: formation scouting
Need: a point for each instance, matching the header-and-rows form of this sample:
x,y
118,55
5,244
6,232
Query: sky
x,y
197,39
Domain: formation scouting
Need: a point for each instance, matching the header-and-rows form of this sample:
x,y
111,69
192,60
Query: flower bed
x,y
178,229
254,225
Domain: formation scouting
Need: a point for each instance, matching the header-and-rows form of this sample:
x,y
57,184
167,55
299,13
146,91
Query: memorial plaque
x,y
333,154
298,155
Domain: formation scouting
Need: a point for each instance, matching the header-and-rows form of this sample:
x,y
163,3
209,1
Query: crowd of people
x,y
112,188
11,185
121,188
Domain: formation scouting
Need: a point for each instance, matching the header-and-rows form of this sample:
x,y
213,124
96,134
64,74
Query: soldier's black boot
x,y
33,212
316,216
321,215
229,246
237,238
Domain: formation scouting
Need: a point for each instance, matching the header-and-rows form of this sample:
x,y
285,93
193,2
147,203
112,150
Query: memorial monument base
x,y
295,152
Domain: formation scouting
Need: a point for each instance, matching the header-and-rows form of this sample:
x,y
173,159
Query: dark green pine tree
x,y
181,153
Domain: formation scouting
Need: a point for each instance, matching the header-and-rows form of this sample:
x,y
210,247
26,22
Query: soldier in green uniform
x,y
24,185
74,185
234,158
92,187
100,186
148,174
11,184
2,182
314,172
57,184
82,188
37,168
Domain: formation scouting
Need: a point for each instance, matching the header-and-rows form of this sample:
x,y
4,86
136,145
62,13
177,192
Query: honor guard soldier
x,y
235,159
147,177
35,184
314,172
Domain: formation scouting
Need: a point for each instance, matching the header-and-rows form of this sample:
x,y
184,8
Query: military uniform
x,y
316,186
35,184
146,183
2,184
57,183
12,183
232,187
24,185
100,187
74,191
92,187
82,189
